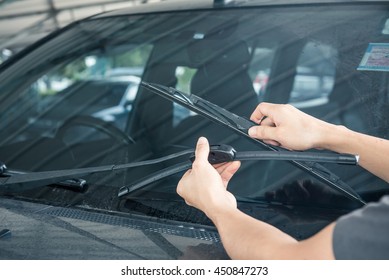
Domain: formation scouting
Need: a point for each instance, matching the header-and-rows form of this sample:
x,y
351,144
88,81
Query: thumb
x,y
263,132
202,150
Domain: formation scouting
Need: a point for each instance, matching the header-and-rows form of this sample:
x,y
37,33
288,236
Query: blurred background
x,y
22,22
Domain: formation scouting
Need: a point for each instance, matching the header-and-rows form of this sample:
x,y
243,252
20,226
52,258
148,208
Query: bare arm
x,y
243,237
286,126
373,151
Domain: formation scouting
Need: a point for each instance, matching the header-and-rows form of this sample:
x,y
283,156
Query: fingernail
x,y
252,131
261,120
202,140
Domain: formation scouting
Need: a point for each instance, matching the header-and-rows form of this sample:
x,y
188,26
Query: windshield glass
x,y
75,101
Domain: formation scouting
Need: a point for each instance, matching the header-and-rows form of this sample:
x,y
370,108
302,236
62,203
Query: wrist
x,y
218,214
333,137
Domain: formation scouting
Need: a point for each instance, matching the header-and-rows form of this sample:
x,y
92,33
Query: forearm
x,y
373,151
244,237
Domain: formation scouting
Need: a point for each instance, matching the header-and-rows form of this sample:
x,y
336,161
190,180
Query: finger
x,y
220,167
181,183
233,167
202,150
262,110
187,203
257,115
229,172
263,132
272,142
186,174
267,122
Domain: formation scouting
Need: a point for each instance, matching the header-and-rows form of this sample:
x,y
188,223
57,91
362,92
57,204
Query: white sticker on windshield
x,y
376,58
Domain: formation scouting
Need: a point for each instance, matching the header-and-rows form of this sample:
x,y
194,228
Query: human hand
x,y
205,186
286,126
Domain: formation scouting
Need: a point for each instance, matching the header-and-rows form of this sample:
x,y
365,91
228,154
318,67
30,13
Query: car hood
x,y
37,231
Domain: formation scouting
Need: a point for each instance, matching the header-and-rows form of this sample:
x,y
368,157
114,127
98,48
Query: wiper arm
x,y
225,153
241,126
75,184
68,177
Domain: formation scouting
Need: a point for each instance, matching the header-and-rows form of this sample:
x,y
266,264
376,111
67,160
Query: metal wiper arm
x,y
241,126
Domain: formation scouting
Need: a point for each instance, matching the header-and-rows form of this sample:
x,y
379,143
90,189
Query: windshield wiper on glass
x,y
218,154
241,126
225,153
69,177
205,108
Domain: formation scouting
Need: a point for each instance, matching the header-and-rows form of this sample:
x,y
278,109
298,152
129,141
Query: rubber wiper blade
x,y
154,177
241,126
204,108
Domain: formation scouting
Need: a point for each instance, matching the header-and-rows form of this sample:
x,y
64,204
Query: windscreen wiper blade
x,y
204,108
218,154
225,153
68,177
241,126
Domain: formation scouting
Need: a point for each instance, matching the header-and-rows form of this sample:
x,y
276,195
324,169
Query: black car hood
x,y
38,231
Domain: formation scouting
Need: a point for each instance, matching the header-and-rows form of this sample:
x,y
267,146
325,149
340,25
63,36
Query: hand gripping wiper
x,y
241,126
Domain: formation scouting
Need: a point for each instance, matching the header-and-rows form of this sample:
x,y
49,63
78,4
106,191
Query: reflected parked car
x,y
118,112
108,99
126,208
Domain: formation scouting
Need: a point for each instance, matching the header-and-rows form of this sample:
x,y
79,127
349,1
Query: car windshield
x,y
74,101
